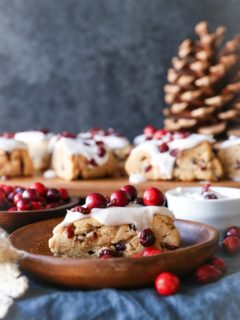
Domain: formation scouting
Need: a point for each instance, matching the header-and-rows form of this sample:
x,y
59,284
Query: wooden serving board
x,y
81,188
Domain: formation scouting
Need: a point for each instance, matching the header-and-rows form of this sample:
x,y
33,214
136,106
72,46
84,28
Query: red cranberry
x,y
92,163
139,201
206,188
17,197
10,196
120,198
37,205
99,143
233,231
175,152
23,205
163,147
40,188
19,189
42,200
2,195
69,229
109,253
149,131
12,209
148,168
120,246
147,237
231,245
153,197
151,251
167,283
210,196
30,194
101,151
207,273
52,195
96,200
131,190
64,194
218,263
159,134
7,189
84,210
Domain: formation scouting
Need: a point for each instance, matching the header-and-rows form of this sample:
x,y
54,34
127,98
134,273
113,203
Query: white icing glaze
x,y
232,141
139,139
11,144
32,136
112,141
138,215
164,161
78,146
136,178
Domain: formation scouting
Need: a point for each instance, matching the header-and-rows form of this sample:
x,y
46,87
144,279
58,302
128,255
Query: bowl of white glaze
x,y
189,204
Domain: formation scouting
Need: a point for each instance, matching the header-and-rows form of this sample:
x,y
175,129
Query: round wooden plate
x,y
199,242
11,221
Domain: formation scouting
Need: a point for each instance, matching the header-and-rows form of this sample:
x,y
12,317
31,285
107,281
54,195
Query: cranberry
x,y
99,143
64,194
37,205
233,231
153,197
210,196
70,230
19,189
23,205
40,188
10,196
52,195
151,251
131,190
147,237
159,134
139,200
120,246
149,131
2,195
12,209
207,273
96,200
92,163
231,245
206,188
7,189
218,263
120,198
101,151
175,152
30,194
167,283
148,168
109,253
17,197
163,147
42,200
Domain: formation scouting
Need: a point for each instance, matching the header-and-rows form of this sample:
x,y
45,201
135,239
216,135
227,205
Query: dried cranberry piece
x,y
163,147
148,168
175,152
120,246
139,200
109,253
92,163
70,230
101,151
147,237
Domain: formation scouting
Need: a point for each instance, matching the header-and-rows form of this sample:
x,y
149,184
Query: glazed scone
x,y
14,158
75,158
117,143
114,231
179,156
229,154
38,147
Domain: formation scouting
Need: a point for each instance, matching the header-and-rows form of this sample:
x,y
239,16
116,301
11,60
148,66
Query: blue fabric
x,y
220,300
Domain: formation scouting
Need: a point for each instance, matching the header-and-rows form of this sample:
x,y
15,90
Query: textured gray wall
x,y
68,64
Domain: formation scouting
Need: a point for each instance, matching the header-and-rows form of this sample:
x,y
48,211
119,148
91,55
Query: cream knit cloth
x,y
12,284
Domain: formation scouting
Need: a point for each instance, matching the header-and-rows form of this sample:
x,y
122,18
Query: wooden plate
x,y
11,221
199,242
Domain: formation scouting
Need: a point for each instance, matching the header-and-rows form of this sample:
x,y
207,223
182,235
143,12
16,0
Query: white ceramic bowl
x,y
219,213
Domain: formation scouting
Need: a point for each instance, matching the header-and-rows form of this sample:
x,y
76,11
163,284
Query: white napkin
x,y
12,284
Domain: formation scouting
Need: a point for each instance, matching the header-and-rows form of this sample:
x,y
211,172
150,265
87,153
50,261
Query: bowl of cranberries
x,y
216,206
20,206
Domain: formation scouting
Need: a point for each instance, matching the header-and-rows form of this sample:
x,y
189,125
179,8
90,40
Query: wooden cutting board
x,y
82,188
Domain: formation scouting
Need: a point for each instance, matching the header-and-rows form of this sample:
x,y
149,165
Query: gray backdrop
x,y
68,64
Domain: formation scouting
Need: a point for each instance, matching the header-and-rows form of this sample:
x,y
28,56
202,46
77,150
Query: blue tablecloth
x,y
220,300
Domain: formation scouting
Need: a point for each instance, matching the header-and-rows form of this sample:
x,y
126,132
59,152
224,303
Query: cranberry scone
x,y
116,142
74,158
14,158
38,146
229,154
120,226
167,156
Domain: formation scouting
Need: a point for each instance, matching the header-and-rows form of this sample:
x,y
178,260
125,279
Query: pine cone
x,y
203,90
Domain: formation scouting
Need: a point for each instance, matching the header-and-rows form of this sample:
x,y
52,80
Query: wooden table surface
x,y
105,186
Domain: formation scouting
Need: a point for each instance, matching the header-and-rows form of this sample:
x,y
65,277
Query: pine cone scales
x,y
203,90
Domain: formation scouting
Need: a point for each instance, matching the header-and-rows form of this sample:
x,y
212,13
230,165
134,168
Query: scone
x,y
122,226
117,143
179,156
14,158
75,158
229,154
38,146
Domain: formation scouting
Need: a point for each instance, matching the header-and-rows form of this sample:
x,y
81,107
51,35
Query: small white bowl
x,y
219,213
